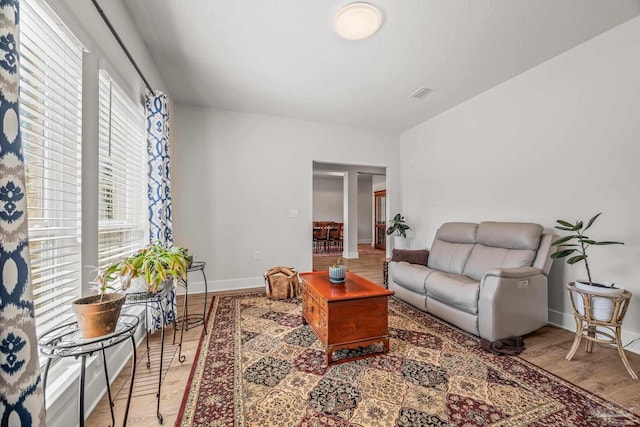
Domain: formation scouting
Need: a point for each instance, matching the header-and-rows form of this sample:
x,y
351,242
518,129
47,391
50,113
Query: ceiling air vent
x,y
421,92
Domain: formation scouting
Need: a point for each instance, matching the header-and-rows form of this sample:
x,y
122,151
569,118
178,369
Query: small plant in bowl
x,y
337,272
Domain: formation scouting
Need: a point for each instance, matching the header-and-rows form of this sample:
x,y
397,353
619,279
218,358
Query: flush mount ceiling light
x,y
357,21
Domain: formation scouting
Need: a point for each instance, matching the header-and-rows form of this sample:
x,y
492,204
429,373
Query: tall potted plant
x,y
398,227
576,244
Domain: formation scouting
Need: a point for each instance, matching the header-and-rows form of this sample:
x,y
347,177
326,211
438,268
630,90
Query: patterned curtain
x,y
160,224
21,396
159,187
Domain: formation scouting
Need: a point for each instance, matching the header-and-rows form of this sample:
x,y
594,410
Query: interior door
x,y
380,219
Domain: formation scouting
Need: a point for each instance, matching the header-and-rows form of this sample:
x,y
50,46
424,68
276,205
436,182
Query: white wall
x,y
379,183
559,141
236,177
327,198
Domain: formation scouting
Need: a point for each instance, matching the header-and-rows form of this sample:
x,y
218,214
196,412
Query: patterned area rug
x,y
261,366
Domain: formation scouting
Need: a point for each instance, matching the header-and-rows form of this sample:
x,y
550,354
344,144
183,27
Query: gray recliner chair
x,y
489,279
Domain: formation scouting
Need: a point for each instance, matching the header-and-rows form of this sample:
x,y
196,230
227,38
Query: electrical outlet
x,y
256,255
523,284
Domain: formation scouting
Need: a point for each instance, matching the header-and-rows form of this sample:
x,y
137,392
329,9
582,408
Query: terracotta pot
x,y
98,315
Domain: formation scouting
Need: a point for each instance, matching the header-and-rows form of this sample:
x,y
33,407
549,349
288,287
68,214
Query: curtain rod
x,y
124,48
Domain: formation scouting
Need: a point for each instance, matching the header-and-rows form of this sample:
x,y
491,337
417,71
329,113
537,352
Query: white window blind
x,y
122,208
50,120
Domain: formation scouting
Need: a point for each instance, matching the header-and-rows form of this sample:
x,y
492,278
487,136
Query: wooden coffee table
x,y
347,315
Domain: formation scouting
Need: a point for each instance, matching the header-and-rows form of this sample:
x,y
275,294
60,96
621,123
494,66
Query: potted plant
x,y
337,272
150,266
399,227
98,314
577,244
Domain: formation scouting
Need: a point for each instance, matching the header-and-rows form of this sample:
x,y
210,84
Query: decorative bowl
x,y
337,274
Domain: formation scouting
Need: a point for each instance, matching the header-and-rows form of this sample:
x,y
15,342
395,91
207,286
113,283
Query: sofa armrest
x,y
512,273
512,302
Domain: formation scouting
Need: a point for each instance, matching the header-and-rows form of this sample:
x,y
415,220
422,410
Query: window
x,y
50,120
122,206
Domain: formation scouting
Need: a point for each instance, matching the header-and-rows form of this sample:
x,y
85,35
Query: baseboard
x,y
566,321
197,286
349,255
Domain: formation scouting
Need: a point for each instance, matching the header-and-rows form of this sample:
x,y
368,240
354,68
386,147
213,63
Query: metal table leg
x,y
204,310
146,328
81,391
184,323
44,379
158,414
133,376
106,377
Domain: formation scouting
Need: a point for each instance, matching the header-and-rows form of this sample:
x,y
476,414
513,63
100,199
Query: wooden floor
x,y
600,372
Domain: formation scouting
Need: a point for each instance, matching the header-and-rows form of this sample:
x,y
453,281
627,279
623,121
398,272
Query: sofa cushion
x,y
410,276
510,235
484,258
452,246
455,290
457,232
417,256
449,257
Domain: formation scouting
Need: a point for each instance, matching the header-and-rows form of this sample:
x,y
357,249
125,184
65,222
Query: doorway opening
x,y
348,217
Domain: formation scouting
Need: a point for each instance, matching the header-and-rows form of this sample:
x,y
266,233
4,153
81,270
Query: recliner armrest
x,y
511,302
512,273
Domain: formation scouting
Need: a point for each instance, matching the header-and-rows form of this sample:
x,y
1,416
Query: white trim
x,y
197,286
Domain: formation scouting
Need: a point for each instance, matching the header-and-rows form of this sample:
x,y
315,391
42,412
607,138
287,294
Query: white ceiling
x,y
282,58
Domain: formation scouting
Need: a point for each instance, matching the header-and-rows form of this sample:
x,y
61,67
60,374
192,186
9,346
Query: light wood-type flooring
x,y
600,372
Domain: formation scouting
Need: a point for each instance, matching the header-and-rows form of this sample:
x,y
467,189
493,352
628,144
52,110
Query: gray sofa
x,y
489,279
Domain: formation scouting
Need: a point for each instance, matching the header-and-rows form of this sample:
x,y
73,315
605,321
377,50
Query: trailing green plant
x,y
398,226
581,245
155,263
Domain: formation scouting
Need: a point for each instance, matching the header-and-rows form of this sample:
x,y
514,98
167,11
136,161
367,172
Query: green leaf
x,y
564,239
606,242
564,228
562,254
578,225
591,221
575,259
565,223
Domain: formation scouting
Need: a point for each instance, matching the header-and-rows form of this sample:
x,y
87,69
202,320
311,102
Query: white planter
x,y
602,307
400,242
